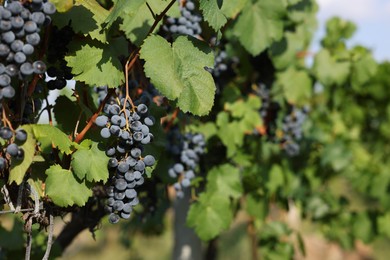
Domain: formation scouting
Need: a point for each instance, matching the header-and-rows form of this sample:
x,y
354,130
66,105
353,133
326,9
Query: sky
x,y
372,18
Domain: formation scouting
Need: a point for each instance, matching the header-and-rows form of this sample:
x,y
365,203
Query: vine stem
x,y
29,239
50,238
151,10
253,237
32,85
14,211
172,119
48,108
7,199
19,199
129,65
5,120
81,135
45,43
36,199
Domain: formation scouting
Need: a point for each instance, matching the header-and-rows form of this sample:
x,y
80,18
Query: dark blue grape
x,y
28,49
21,135
6,133
101,121
149,160
5,80
113,218
39,67
17,22
130,193
112,163
8,92
33,39
15,7
105,132
12,149
30,27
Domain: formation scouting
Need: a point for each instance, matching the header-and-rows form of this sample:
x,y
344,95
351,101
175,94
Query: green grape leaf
x,y
245,117
99,16
229,134
66,113
256,207
49,135
225,180
208,129
232,8
384,224
284,52
363,70
37,185
275,178
85,17
328,70
62,5
122,8
241,107
90,163
19,168
210,215
297,91
303,13
98,64
337,30
136,25
64,188
362,227
317,207
183,76
337,155
247,112
212,13
259,24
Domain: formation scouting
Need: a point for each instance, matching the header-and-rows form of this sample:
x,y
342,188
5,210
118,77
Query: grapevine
x,y
201,119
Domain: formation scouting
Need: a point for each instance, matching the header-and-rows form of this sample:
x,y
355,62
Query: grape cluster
x,y
189,152
292,129
101,92
57,49
264,93
11,147
268,111
220,63
127,131
32,105
188,23
20,25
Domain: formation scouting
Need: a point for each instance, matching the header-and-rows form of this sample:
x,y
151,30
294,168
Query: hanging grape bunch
x,y
128,130
188,23
292,130
11,148
20,26
57,49
188,155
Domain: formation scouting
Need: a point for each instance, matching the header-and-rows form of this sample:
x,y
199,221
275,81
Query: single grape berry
x,y
149,160
39,67
21,135
20,154
6,133
113,218
12,149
